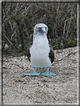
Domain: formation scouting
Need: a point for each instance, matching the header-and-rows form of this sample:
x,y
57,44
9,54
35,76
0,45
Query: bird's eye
x,y
39,28
46,28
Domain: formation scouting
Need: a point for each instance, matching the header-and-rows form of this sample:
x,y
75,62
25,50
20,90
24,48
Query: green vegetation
x,y
69,43
19,20
66,43
16,16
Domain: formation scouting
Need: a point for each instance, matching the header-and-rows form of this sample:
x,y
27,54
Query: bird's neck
x,y
41,39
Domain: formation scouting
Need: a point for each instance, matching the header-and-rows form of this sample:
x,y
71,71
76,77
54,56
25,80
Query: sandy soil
x,y
59,89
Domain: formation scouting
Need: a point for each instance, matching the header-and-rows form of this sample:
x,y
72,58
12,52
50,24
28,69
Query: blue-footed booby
x,y
40,54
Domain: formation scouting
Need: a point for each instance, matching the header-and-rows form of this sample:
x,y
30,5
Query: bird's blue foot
x,y
33,74
47,73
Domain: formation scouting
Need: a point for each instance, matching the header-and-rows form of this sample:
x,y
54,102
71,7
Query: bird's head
x,y
40,29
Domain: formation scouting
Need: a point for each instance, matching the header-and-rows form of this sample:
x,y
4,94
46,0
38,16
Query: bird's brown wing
x,y
51,55
28,53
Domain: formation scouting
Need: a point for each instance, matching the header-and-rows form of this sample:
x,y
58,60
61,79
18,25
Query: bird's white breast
x,y
40,52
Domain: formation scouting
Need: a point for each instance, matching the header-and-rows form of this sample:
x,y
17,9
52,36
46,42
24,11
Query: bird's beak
x,y
43,29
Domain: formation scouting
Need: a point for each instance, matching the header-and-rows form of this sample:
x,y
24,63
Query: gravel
x,y
59,89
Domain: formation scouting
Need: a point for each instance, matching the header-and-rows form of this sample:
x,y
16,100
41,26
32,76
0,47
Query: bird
x,y
6,47
40,54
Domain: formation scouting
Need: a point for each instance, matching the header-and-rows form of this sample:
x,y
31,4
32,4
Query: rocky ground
x,y
59,89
